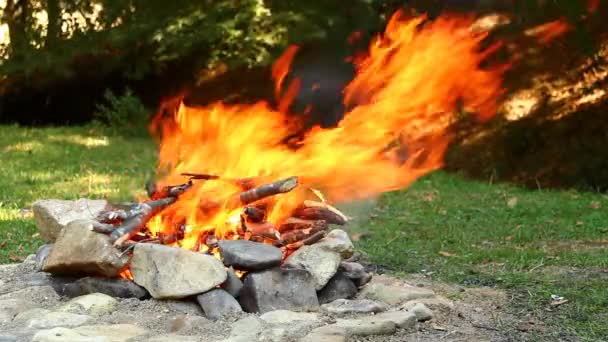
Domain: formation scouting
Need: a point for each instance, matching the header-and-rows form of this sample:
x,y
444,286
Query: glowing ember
x,y
406,90
548,32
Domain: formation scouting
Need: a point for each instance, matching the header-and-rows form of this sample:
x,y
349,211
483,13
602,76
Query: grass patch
x,y
534,243
65,163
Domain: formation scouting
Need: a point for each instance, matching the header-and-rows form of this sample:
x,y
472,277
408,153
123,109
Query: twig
x,y
131,226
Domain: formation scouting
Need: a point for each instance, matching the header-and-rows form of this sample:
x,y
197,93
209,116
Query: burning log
x,y
254,214
320,213
338,215
264,229
263,191
308,241
138,218
303,234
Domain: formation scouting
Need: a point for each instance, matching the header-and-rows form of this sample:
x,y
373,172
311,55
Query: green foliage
x,y
123,114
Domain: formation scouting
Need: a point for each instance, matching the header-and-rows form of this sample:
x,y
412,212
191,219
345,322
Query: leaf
x,y
15,257
2,244
446,254
596,205
512,202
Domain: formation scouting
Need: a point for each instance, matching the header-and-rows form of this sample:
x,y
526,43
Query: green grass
x,y
65,163
532,243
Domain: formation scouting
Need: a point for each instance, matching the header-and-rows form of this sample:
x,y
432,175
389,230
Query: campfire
x,y
238,214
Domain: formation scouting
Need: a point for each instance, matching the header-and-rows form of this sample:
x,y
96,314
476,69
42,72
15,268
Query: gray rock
x,y
11,307
79,250
402,319
53,215
233,284
90,333
218,304
338,241
249,255
321,262
246,330
170,272
348,306
422,312
114,287
288,317
356,272
173,338
328,333
338,287
186,307
394,295
275,289
41,254
187,324
433,303
8,337
367,326
37,295
91,304
53,319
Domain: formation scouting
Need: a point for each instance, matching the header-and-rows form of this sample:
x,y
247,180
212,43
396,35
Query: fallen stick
x,y
131,226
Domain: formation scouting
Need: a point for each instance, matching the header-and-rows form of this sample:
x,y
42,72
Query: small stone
x,y
321,262
218,304
53,215
422,312
170,272
367,326
403,319
249,255
338,287
276,289
246,329
187,324
288,317
79,250
348,306
328,333
233,284
57,319
338,241
92,304
356,272
41,254
114,287
394,295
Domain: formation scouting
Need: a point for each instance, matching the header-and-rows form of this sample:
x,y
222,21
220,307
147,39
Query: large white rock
x,y
367,326
394,295
170,272
52,215
338,241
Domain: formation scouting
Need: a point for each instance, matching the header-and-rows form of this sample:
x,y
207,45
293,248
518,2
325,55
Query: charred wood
x,y
294,223
302,234
320,213
144,211
264,191
104,228
254,214
308,241
315,204
263,230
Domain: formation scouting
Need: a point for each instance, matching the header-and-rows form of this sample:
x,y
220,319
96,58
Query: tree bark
x,y
16,14
53,30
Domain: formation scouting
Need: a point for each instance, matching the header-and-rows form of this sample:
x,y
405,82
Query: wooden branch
x,y
302,234
263,191
131,226
113,215
264,229
308,241
294,223
320,213
315,204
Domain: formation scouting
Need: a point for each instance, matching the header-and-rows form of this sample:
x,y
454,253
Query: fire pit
x,y
241,221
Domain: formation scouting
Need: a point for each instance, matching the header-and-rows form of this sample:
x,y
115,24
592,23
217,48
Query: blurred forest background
x,y
75,61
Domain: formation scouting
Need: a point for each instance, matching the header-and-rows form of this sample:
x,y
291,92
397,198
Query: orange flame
x,y
548,32
406,90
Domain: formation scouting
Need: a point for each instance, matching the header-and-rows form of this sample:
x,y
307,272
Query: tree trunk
x,y
16,13
53,31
